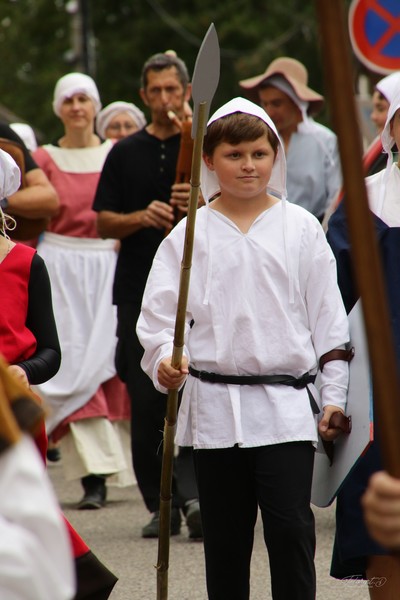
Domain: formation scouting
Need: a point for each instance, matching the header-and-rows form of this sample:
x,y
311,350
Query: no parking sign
x,y
375,33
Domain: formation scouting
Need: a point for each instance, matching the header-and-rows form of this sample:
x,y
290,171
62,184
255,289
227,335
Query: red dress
x,y
18,343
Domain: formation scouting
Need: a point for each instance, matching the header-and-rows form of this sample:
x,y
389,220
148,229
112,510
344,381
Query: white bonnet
x,y
386,137
10,175
277,183
106,115
75,83
26,134
389,86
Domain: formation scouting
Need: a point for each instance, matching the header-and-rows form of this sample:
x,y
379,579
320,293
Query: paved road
x,y
113,533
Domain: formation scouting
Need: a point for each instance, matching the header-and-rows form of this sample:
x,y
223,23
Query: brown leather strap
x,y
336,354
339,421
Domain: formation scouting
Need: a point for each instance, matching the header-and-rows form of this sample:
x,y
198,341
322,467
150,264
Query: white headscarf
x,y
26,134
386,137
106,115
389,86
277,184
387,143
75,83
10,175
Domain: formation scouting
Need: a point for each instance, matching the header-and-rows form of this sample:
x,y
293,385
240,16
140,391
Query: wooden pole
x,y
172,401
366,260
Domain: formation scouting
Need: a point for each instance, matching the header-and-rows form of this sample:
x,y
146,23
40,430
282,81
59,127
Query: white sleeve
x,y
334,383
36,560
328,319
156,323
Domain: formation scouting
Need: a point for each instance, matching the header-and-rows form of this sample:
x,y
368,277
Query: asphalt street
x,y
113,533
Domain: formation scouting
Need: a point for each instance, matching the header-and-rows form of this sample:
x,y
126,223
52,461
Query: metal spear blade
x,y
205,75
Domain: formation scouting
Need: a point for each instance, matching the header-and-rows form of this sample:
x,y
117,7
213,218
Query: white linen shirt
x,y
313,167
248,326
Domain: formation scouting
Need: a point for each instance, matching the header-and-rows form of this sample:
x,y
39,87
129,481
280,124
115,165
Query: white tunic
x,y
36,560
248,325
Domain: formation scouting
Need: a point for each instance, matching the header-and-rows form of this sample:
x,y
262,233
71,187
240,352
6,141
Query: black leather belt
x,y
296,382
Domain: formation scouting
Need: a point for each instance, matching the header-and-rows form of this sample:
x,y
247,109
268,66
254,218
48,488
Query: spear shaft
x,y
365,255
172,401
204,84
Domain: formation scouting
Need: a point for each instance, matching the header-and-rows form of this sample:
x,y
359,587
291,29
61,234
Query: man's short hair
x,y
159,62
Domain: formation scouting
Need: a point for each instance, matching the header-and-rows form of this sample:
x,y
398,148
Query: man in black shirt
x,y
135,201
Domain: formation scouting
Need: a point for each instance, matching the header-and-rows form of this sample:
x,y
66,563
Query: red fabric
x,y
111,401
371,155
17,342
76,190
78,545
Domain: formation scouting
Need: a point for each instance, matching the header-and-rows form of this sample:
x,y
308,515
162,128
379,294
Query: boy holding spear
x,y
263,309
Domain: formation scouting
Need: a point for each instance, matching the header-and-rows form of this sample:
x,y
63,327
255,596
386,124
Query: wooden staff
x,y
204,84
365,255
9,430
24,404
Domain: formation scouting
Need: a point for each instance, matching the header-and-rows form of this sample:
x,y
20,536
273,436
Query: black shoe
x,y
53,454
193,520
95,492
151,529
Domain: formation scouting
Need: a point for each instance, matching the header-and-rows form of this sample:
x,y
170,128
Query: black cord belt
x,y
296,382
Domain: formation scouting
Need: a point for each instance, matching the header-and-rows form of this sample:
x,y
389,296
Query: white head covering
x,y
389,86
277,184
10,175
387,143
75,83
106,115
386,137
26,134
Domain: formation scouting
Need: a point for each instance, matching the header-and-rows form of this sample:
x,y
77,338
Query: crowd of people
x,y
88,311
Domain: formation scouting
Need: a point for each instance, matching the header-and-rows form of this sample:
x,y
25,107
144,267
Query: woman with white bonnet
x,y
385,91
374,158
119,119
34,544
88,403
356,554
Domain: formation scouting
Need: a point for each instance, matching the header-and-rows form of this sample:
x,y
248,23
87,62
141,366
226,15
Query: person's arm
x,y
328,323
119,225
37,200
381,505
113,221
46,361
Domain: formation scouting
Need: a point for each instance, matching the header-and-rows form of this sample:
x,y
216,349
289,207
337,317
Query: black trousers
x,y
233,483
148,407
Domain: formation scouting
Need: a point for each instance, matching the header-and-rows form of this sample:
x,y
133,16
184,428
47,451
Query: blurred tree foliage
x,y
37,42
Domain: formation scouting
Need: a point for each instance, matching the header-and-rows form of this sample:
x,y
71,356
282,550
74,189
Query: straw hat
x,y
295,74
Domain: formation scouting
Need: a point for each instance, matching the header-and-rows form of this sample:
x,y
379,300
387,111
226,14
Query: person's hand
x,y
180,193
19,373
329,433
381,504
159,215
171,378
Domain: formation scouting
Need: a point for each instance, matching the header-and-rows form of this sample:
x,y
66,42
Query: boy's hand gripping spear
x,y
204,83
